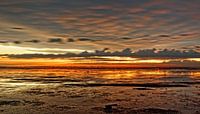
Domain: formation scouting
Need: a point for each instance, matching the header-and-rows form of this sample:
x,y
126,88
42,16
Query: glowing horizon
x,y
114,62
127,32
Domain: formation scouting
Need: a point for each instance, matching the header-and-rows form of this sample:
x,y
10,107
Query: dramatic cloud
x,y
164,35
117,24
84,39
147,53
17,42
17,28
70,40
87,39
33,41
126,38
55,40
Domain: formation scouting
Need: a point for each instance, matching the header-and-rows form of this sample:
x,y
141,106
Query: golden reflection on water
x,y
119,74
94,74
195,75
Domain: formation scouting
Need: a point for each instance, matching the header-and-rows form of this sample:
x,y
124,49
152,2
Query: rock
x,y
109,108
9,102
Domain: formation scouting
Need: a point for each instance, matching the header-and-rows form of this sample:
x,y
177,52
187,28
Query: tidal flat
x,y
100,91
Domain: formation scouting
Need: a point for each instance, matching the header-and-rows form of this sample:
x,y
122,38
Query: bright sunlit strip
x,y
194,59
28,50
151,61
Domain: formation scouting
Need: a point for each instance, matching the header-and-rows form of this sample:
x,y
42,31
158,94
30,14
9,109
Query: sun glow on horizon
x,y
108,59
12,49
194,59
96,61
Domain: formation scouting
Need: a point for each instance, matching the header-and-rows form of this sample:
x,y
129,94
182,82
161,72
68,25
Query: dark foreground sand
x,y
99,92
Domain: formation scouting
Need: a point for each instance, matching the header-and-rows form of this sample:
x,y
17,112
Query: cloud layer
x,y
147,53
93,24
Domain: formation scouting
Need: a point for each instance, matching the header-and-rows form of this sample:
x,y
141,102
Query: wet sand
x,y
96,91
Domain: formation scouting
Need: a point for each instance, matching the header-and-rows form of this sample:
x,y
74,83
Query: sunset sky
x,y
121,31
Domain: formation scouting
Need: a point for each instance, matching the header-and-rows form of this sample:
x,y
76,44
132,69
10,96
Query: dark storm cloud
x,y
17,42
88,39
55,40
164,35
18,28
70,40
85,39
33,41
146,53
167,53
126,38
